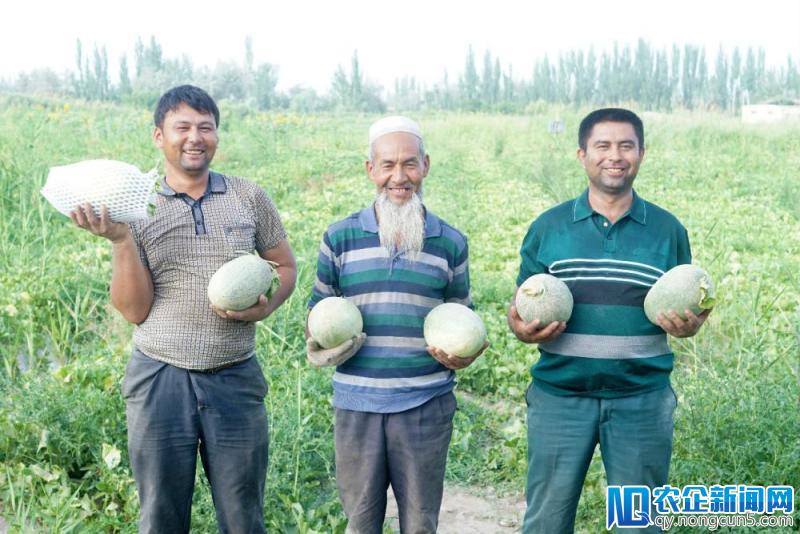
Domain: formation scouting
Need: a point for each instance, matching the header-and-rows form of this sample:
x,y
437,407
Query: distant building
x,y
778,111
556,127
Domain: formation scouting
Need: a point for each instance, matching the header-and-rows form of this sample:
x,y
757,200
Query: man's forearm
x,y
288,277
131,284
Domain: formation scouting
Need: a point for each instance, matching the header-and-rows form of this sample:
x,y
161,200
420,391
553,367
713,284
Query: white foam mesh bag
x,y
122,187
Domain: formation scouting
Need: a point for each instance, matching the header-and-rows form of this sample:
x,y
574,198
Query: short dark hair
x,y
609,115
192,96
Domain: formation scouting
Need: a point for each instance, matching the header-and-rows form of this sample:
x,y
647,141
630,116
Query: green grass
x,y
63,349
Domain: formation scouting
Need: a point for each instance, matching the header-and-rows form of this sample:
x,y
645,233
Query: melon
x,y
238,283
121,187
455,329
333,321
544,297
681,288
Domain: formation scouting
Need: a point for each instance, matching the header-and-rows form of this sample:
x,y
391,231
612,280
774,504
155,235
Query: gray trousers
x,y
171,414
407,450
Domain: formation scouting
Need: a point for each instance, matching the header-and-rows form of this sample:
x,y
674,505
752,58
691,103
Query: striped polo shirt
x,y
392,372
182,245
609,348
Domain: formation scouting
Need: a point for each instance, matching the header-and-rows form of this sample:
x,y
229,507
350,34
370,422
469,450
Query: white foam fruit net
x,y
123,188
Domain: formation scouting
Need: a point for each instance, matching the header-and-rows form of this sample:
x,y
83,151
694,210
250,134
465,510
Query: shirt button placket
x,y
609,243
198,218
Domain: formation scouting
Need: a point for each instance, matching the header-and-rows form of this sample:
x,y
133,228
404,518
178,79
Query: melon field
x,y
63,349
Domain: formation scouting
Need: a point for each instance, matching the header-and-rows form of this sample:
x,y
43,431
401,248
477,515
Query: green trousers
x,y
635,438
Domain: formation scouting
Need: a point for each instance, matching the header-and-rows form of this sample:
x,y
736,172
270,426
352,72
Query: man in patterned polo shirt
x,y
603,377
393,396
193,381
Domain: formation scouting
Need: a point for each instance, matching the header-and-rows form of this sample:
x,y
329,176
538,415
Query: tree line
x,y
684,76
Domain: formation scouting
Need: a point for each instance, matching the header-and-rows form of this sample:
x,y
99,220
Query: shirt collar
x,y
369,222
582,210
216,184
638,211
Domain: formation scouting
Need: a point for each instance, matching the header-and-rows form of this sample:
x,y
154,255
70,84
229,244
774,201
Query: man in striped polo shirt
x,y
193,382
602,377
393,396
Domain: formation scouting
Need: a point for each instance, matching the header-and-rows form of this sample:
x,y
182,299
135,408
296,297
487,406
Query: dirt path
x,y
472,511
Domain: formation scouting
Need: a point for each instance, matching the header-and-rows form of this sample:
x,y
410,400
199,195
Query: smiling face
x,y
188,139
397,166
612,157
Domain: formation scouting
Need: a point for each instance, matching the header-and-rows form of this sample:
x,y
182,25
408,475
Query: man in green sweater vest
x,y
603,377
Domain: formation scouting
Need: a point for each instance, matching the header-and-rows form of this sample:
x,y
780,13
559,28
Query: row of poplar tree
x,y
684,76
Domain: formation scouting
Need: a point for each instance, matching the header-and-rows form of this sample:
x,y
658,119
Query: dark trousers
x,y
171,414
407,450
635,437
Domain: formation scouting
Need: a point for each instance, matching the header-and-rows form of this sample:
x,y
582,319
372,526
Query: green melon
x,y
681,288
333,321
238,283
455,329
544,297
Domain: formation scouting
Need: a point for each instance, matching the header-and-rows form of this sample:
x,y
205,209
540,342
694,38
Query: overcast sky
x,y
420,38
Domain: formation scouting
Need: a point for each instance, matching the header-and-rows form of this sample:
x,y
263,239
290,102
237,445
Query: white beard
x,y
401,228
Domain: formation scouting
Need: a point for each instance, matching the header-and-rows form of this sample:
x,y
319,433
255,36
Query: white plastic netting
x,y
123,188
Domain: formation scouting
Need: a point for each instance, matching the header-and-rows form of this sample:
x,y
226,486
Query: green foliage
x,y
653,79
63,350
351,92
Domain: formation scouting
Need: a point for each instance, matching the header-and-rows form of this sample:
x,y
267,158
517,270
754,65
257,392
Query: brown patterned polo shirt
x,y
182,245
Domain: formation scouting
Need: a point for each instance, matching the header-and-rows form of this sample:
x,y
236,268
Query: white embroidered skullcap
x,y
393,124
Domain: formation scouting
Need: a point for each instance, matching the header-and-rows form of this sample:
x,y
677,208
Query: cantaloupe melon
x,y
455,329
238,283
544,297
334,320
681,288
